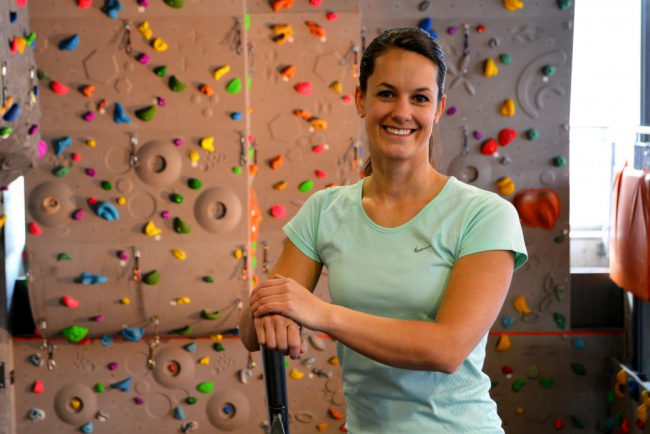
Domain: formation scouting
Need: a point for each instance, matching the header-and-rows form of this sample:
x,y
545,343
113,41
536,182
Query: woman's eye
x,y
421,98
384,93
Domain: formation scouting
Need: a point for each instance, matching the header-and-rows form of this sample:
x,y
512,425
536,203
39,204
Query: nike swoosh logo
x,y
416,250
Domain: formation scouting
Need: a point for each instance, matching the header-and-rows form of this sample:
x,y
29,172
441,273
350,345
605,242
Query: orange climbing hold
x,y
317,30
88,90
206,89
303,114
335,414
277,162
288,72
282,4
538,207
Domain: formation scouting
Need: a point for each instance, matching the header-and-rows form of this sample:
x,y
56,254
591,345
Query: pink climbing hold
x,y
91,172
164,214
84,4
112,366
144,58
316,3
35,229
42,148
38,387
89,117
331,16
98,318
161,101
304,88
143,3
59,88
278,211
21,3
33,129
346,99
78,214
139,400
178,142
69,301
318,149
320,174
452,30
123,255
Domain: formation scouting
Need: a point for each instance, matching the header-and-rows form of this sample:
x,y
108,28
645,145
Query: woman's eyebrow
x,y
390,86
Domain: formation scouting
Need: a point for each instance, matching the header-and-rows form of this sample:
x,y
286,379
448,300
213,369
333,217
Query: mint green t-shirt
x,y
402,273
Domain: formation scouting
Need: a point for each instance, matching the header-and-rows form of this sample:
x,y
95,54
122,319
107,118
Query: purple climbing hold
x,y
91,172
78,214
178,142
89,117
33,129
112,366
139,400
477,135
452,111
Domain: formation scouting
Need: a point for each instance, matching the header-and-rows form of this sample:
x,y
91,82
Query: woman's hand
x,y
277,332
284,296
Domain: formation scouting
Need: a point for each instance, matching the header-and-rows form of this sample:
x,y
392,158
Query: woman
x,y
419,263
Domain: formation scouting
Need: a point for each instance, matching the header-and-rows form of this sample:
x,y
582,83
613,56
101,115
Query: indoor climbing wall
x,y
628,400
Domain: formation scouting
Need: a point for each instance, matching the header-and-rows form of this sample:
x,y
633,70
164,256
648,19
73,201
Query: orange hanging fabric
x,y
629,257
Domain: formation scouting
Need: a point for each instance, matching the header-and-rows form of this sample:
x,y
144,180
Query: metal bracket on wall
x,y
2,375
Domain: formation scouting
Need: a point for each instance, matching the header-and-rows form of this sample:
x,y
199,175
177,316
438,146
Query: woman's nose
x,y
401,110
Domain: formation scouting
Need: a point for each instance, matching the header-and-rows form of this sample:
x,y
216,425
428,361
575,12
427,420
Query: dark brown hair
x,y
410,39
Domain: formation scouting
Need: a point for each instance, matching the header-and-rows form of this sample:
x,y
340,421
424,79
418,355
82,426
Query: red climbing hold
x,y
343,428
21,3
38,387
35,229
92,201
481,29
640,424
304,88
559,424
84,4
625,427
320,174
506,370
59,88
489,147
331,16
506,136
76,157
69,301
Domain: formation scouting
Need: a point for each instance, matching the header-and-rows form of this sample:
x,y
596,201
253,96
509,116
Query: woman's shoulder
x,y
469,198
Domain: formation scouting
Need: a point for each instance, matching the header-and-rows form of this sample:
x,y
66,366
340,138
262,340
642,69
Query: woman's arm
x,y
474,296
277,331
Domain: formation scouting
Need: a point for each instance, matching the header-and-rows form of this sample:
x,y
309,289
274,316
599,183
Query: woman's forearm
x,y
416,345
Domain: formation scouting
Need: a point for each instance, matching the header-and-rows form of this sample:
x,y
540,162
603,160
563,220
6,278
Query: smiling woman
x,y
406,248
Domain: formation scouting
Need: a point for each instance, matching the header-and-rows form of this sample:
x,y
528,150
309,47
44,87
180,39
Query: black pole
x,y
276,391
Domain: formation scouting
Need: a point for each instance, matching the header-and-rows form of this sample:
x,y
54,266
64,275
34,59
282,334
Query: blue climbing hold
x,y
634,390
87,428
507,321
124,385
228,408
107,211
106,341
426,24
119,115
61,144
579,344
37,90
132,334
235,116
190,348
112,7
13,16
69,44
92,279
12,114
179,413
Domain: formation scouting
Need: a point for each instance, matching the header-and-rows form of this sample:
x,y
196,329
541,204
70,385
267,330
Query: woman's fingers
x,y
269,331
265,301
259,330
293,340
281,336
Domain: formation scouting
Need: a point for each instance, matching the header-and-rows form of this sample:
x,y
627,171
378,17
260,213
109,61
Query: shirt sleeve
x,y
302,230
494,225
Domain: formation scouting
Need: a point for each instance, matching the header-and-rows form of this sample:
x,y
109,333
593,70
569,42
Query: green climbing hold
x,y
306,186
99,388
610,397
506,59
577,423
559,292
560,320
61,171
107,185
547,382
249,82
176,85
191,400
559,161
532,372
532,134
247,22
176,198
251,154
494,384
548,70
160,71
619,419
517,385
185,331
42,75
194,184
234,86
286,363
6,132
254,262
206,314
180,227
559,239
64,257
151,278
218,347
205,387
254,245
176,4
31,38
236,170
563,4
578,369
146,114
75,333
208,279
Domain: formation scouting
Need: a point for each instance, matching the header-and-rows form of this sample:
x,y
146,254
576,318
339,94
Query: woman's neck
x,y
401,184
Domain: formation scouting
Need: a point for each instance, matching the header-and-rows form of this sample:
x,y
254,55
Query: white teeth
x,y
398,131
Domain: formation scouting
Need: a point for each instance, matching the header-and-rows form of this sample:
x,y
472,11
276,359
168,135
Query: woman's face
x,y
400,105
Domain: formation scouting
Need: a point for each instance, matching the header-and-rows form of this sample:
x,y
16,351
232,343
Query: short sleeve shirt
x,y
402,273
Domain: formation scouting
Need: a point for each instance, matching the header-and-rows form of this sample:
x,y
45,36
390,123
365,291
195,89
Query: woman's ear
x,y
359,99
441,108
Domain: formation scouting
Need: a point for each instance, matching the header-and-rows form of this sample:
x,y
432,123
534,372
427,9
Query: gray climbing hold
x,y
36,414
101,416
179,413
190,426
36,360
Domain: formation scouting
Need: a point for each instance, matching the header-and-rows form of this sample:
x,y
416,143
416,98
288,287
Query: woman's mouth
x,y
398,132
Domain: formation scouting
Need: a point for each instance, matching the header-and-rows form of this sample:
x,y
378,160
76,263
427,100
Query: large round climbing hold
x,y
180,227
234,86
146,114
194,184
176,85
306,186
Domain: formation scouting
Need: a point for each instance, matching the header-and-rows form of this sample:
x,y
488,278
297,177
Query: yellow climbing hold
x,y
490,69
125,301
333,361
121,200
194,156
151,229
508,108
519,410
513,5
521,306
75,403
296,374
249,110
179,254
321,427
280,185
282,32
645,398
207,143
642,413
238,254
3,219
204,361
318,124
182,300
220,72
621,381
503,343
91,143
216,338
145,30
337,87
506,186
159,45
